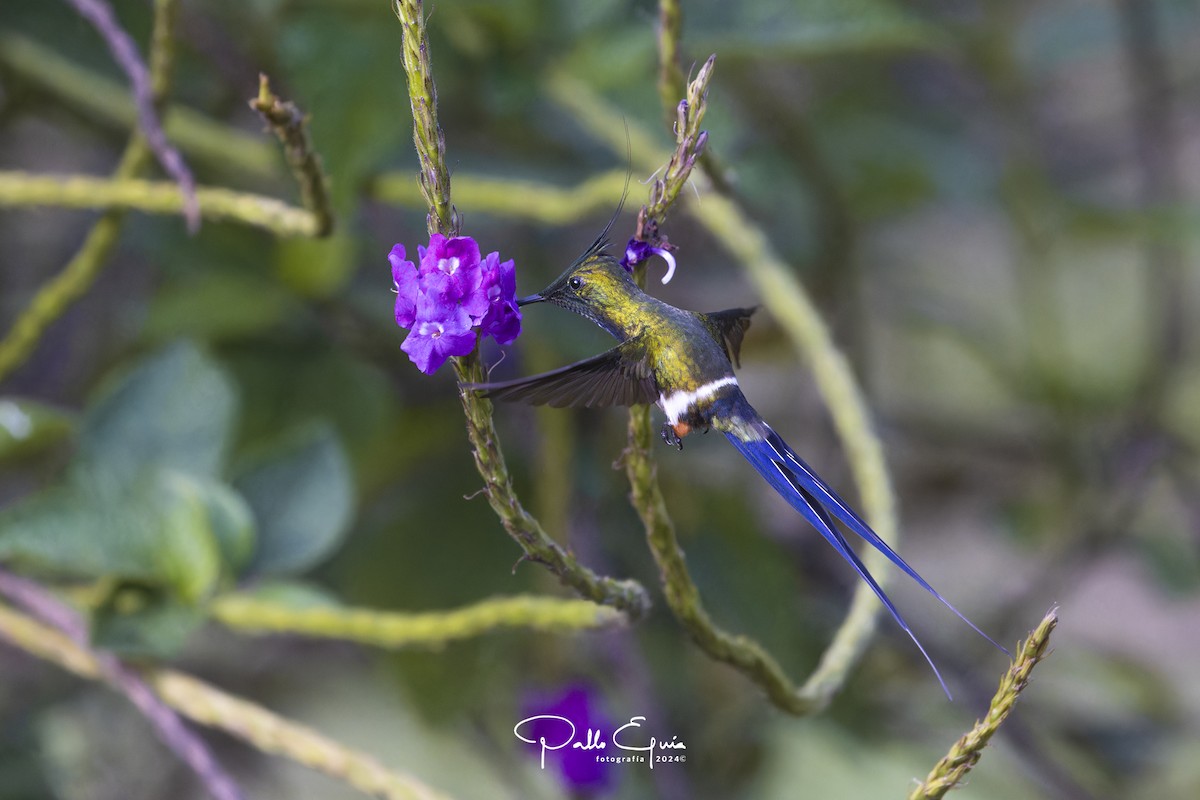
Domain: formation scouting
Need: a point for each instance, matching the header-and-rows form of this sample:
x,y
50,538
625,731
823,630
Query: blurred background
x,y
992,202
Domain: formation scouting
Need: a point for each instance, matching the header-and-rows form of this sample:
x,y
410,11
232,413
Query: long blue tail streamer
x,y
796,482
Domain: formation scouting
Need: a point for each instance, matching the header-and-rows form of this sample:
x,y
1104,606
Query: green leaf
x,y
27,427
153,529
302,496
141,622
231,522
173,410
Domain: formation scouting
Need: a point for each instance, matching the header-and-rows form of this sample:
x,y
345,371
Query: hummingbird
x,y
683,361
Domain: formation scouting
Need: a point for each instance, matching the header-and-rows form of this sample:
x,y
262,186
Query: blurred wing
x,y
619,377
729,328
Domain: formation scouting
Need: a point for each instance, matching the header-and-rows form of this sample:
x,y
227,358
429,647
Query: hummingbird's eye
x,y
575,282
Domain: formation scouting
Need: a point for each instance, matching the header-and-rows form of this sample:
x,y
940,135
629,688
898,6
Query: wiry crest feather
x,y
603,241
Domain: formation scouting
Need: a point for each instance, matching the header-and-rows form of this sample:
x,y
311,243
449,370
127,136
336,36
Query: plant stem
x,y
430,142
428,629
964,754
108,102
53,298
291,128
434,182
210,706
180,739
627,595
146,95
786,299
155,197
552,205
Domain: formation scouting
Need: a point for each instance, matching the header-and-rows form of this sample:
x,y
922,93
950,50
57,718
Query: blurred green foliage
x,y
993,201
143,506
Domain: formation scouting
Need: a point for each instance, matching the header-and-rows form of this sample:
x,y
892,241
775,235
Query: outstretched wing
x,y
618,377
729,328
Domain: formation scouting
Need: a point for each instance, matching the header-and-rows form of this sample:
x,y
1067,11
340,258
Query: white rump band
x,y
677,403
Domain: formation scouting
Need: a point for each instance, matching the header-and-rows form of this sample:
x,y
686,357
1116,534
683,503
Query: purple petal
x,y
508,278
451,316
502,322
579,771
439,289
429,255
438,333
638,251
467,280
502,319
448,291
457,258
463,248
450,255
490,278
397,256
635,253
489,264
404,280
476,305
498,284
421,352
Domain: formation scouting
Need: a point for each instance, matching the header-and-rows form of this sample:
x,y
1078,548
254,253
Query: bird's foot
x,y
670,436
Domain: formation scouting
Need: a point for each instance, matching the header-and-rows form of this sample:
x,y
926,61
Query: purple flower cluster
x,y
638,251
579,772
451,297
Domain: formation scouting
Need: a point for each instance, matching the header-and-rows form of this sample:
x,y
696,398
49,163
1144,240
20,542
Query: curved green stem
x,y
210,706
552,205
53,298
430,142
427,629
786,299
107,101
290,126
964,754
155,197
670,73
689,146
682,595
783,296
627,595
434,182
188,747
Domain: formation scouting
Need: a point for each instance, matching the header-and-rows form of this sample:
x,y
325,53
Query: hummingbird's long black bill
x,y
533,298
